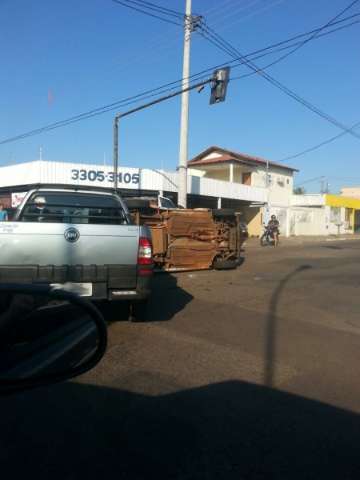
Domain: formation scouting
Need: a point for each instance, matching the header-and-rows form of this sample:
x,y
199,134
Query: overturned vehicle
x,y
190,239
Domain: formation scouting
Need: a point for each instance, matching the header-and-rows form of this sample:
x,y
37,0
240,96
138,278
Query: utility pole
x,y
184,121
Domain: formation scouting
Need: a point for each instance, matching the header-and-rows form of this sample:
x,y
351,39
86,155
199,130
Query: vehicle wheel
x,y
223,212
224,264
139,311
263,241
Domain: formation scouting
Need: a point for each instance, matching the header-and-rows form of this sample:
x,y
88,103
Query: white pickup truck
x,y
82,240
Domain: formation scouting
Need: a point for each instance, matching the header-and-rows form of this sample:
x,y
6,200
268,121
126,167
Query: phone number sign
x,y
102,176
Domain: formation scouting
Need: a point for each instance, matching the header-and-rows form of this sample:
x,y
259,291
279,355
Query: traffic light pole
x,y
138,109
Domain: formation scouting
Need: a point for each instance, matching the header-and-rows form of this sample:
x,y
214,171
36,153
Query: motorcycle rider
x,y
274,227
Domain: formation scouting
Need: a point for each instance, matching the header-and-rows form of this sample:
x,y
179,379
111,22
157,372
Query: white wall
x,y
308,200
20,174
307,221
281,185
316,221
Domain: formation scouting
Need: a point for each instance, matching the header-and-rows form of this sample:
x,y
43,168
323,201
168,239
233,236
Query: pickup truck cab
x,y
81,240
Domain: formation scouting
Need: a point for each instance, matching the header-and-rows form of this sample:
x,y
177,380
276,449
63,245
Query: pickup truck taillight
x,y
145,252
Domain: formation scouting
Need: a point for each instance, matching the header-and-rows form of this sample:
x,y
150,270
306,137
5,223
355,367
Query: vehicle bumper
x,y
115,284
142,291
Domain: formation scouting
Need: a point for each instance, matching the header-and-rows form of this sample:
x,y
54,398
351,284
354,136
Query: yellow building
x,y
347,210
324,214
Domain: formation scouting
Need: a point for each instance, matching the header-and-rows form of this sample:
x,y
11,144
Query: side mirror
x,y
47,335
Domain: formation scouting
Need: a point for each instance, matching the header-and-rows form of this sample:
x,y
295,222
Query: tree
x,y
299,191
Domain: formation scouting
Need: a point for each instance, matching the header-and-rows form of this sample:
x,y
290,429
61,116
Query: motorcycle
x,y
268,237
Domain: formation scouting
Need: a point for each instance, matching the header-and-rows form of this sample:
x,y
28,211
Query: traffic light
x,y
219,85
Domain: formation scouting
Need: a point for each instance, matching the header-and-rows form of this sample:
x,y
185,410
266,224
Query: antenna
x,y
40,153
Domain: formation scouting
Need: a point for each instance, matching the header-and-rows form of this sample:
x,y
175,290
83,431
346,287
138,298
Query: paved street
x,y
246,374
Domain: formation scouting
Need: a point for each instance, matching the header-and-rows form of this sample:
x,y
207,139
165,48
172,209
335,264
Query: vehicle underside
x,y
192,239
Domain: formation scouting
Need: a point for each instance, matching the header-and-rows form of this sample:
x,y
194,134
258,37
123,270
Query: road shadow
x,y
332,247
166,300
232,430
271,326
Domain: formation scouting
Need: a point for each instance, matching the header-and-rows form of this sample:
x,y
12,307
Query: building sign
x,y
17,198
103,176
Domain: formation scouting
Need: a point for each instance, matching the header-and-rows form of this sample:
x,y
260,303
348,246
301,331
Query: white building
x,y
353,192
241,169
216,178
20,177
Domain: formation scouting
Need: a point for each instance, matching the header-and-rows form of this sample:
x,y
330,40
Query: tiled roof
x,y
229,155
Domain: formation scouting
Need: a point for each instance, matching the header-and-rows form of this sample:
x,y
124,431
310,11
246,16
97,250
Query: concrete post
x,y
184,121
231,173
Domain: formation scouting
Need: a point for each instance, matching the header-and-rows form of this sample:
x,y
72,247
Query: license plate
x,y
82,289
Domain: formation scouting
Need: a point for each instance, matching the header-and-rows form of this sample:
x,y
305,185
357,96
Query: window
x,y
348,212
63,207
167,203
335,215
348,218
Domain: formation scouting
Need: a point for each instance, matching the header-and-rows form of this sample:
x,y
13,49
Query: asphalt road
x,y
246,374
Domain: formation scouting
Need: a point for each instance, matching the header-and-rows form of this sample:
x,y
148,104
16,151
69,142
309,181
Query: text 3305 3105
x,y
102,176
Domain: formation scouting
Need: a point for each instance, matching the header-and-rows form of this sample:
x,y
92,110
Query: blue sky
x,y
63,58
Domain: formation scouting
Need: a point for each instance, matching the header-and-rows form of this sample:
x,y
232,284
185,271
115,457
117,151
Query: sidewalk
x,y
301,240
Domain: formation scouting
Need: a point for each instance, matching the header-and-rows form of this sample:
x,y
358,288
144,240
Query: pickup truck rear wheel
x,y
219,264
139,311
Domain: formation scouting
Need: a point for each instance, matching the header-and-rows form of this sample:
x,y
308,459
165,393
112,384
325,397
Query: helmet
x,y
273,217
40,202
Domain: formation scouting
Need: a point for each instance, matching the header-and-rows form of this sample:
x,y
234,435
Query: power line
x,y
315,179
228,48
342,27
297,45
321,144
315,34
93,113
229,19
215,40
165,87
224,45
132,7
169,11
271,48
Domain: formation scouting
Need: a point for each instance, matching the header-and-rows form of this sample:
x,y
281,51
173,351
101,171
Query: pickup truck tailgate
x,y
79,252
